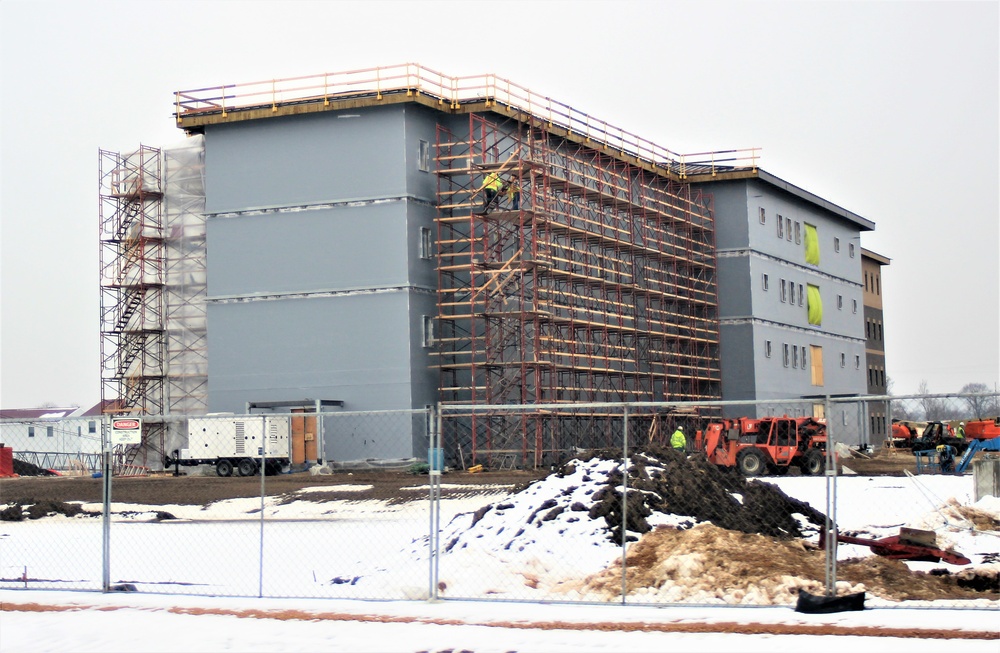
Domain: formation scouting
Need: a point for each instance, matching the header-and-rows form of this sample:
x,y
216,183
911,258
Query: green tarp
x,y
815,304
812,245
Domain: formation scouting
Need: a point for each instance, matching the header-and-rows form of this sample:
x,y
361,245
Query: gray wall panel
x,y
315,250
308,159
315,348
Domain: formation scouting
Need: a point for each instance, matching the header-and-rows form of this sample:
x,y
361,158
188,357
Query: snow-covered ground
x,y
320,553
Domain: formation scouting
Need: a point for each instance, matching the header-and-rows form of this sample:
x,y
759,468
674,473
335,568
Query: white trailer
x,y
240,443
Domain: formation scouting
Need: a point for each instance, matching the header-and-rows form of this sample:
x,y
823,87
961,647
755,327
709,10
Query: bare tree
x,y
983,403
897,406
933,407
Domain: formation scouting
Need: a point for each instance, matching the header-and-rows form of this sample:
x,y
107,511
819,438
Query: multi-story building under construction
x,y
327,240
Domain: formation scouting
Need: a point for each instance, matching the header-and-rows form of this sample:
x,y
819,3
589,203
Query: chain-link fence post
x,y
435,458
624,500
830,526
106,469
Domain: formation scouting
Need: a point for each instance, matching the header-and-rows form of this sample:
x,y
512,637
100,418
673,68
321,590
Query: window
x,y
850,249
870,372
79,431
424,156
31,431
795,356
791,292
764,281
880,331
785,353
781,227
803,349
426,244
815,305
857,362
840,302
812,245
801,294
866,282
788,229
428,331
878,285
49,431
91,426
798,233
854,306
784,291
816,354
763,215
843,359
767,348
836,244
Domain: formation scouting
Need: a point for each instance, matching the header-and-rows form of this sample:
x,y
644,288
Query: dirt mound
x,y
23,468
708,564
668,482
19,509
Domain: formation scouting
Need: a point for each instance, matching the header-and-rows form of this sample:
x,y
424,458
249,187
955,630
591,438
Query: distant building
x,y
52,437
872,265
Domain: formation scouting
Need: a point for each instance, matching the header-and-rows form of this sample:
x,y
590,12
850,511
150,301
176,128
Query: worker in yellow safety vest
x,y
492,185
514,194
677,440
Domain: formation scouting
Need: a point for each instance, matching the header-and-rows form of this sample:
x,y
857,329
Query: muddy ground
x,y
165,488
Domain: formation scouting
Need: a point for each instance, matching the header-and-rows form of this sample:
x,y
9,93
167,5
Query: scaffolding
x,y
599,285
154,358
131,269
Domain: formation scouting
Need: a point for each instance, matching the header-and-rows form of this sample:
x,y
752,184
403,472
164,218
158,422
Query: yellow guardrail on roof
x,y
413,78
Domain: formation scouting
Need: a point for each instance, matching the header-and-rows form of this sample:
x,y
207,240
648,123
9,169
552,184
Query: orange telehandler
x,y
766,445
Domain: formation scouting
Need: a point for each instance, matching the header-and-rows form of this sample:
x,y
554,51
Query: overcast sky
x,y
888,109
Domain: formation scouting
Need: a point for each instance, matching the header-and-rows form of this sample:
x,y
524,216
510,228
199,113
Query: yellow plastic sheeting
x,y
812,245
815,304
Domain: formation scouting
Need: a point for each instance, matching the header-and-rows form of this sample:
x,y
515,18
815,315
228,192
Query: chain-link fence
x,y
738,503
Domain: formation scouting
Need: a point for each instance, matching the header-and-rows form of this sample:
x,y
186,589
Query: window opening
x,y
816,355
428,331
812,245
424,156
815,305
426,244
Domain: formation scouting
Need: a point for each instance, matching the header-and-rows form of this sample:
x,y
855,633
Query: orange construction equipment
x,y
767,445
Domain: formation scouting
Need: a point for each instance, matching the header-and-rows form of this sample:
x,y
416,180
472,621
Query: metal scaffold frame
x,y
131,281
600,286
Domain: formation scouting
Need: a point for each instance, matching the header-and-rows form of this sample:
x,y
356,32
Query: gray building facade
x,y
791,310
320,274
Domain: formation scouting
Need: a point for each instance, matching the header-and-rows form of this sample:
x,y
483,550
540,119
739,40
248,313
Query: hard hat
x,y
940,447
961,423
680,428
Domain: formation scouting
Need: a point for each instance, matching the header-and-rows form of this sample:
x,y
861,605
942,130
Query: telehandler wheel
x,y
751,462
224,468
814,463
247,467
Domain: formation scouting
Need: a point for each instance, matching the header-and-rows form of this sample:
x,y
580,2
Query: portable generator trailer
x,y
236,444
